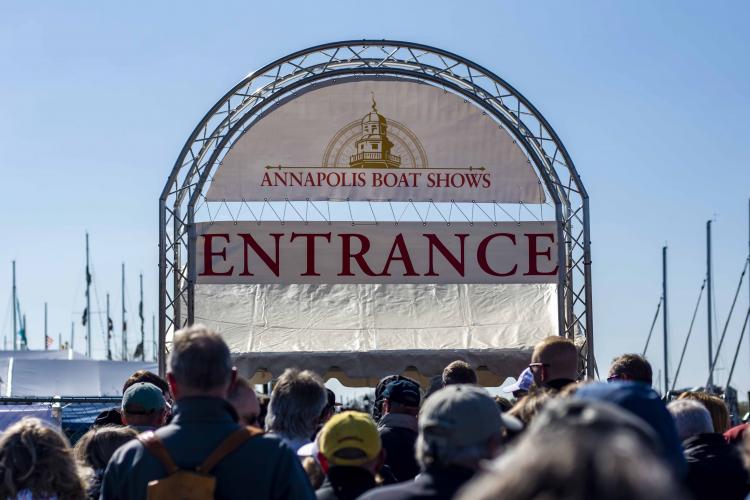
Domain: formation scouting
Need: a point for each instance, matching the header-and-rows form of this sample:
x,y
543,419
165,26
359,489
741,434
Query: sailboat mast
x,y
45,326
664,319
140,313
109,331
88,300
124,321
709,302
15,313
72,335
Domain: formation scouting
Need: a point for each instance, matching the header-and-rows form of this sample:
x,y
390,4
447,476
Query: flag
x,y
138,350
49,341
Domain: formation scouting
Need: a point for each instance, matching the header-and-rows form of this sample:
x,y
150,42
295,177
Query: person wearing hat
x,y
143,407
522,386
351,451
398,427
459,427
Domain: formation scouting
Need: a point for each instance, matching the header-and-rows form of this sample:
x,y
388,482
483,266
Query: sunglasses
x,y
536,365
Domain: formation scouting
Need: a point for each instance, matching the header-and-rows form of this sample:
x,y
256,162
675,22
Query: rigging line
x,y
653,324
687,338
737,351
729,317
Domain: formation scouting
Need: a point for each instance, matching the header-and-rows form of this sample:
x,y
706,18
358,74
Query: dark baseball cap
x,y
404,392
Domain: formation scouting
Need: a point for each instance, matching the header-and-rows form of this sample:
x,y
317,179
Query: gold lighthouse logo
x,y
373,148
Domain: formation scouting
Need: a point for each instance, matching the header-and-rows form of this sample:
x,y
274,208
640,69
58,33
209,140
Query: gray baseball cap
x,y
463,415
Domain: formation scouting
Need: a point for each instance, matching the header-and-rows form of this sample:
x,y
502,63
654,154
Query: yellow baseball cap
x,y
349,438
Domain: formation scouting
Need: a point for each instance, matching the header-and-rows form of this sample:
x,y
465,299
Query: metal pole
x,y
109,332
45,326
709,303
653,324
59,341
15,312
88,300
72,335
665,318
143,332
25,331
153,336
739,344
124,321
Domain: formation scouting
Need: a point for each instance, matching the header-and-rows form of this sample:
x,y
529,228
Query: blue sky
x,y
650,98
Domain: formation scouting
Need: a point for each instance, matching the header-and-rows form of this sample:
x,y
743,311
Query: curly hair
x,y
37,459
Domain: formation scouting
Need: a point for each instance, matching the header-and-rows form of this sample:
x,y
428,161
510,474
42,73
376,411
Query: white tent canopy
x,y
51,373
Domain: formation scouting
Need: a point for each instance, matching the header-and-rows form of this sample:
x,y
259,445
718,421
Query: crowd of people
x,y
205,433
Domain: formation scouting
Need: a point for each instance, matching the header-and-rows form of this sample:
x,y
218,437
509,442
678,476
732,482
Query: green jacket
x,y
262,468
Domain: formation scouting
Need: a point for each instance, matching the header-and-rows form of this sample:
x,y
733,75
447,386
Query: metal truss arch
x,y
268,87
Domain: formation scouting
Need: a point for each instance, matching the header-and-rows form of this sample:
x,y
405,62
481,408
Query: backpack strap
x,y
227,446
155,446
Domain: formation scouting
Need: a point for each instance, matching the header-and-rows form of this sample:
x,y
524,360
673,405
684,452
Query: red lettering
x,y
482,254
457,264
249,241
534,253
310,237
403,256
266,180
208,255
347,255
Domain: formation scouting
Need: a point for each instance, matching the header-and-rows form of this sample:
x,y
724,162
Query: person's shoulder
x,y
400,491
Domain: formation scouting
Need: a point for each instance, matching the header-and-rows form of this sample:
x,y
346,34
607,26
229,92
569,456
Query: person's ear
x,y
173,386
386,407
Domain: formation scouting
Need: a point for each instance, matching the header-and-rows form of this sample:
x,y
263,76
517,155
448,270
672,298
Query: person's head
x,y
523,385
401,396
715,406
143,405
151,378
37,459
329,409
579,450
351,439
460,425
97,446
644,402
200,364
633,367
297,401
690,417
242,397
527,407
554,358
377,407
459,372
263,401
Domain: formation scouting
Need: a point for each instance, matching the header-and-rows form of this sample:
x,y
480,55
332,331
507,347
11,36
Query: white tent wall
x,y
361,332
78,377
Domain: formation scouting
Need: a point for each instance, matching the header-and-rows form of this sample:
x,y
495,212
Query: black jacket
x,y
715,469
435,485
398,441
345,483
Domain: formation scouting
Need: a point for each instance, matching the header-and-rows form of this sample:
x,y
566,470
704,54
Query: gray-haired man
x,y
199,375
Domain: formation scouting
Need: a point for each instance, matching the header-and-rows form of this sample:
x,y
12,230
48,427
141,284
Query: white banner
x,y
376,140
409,252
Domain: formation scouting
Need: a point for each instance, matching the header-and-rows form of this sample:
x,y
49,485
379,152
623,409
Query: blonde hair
x,y
527,407
38,459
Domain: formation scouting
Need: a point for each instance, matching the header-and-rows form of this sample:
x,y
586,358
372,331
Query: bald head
x,y
554,358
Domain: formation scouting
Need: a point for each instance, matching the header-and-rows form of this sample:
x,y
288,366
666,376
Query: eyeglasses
x,y
613,378
536,365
